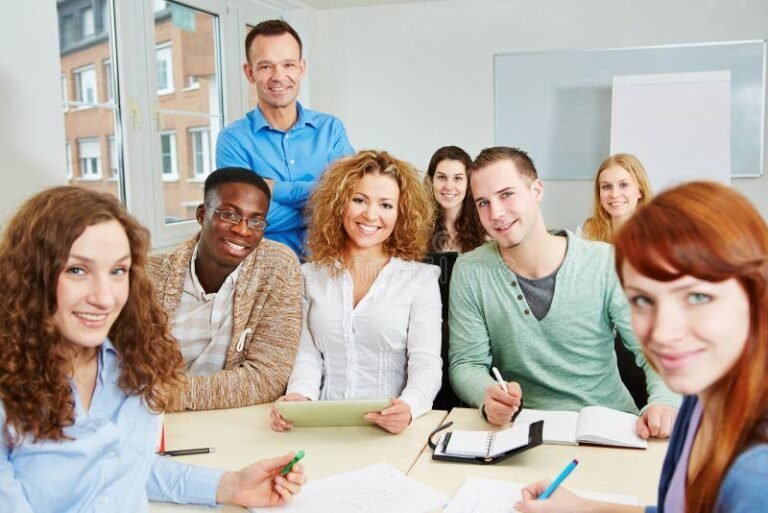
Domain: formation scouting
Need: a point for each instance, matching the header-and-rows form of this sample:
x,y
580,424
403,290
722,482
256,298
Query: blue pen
x,y
559,479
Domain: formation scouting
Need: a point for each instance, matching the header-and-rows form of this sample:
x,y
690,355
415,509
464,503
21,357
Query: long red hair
x,y
711,232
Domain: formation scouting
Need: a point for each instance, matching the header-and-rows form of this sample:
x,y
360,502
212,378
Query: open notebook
x,y
593,425
483,444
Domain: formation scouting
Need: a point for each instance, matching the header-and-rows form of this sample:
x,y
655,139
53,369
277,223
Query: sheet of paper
x,y
559,426
379,488
510,438
469,443
492,496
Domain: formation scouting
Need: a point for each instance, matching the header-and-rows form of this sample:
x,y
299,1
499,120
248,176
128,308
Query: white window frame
x,y
87,22
114,163
173,176
137,94
201,136
79,75
68,152
90,164
106,69
164,53
64,93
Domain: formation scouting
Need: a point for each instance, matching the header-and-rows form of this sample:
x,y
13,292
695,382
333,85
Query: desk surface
x,y
604,469
242,436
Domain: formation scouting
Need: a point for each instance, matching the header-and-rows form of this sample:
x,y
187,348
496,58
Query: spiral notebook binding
x,y
489,443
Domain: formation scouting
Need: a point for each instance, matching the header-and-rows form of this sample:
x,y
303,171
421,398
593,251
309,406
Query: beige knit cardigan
x,y
268,301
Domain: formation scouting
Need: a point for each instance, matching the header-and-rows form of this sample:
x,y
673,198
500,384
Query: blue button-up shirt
x,y
109,466
294,160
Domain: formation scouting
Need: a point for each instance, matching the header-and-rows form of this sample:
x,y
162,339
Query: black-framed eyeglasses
x,y
232,217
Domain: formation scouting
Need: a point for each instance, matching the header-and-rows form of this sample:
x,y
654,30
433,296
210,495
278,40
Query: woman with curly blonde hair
x,y
86,362
621,187
371,309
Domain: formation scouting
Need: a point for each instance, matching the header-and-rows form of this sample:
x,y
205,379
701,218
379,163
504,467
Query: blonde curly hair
x,y
327,239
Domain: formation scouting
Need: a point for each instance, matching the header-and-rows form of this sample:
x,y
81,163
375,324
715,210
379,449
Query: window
x,y
164,68
201,152
85,85
168,153
107,67
90,158
87,22
64,93
114,170
68,149
192,82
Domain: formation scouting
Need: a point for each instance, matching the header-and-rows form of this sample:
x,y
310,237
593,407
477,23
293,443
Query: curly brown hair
x,y
35,364
469,231
327,239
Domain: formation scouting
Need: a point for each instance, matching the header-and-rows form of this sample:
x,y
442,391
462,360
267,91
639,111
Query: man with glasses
x,y
288,145
233,298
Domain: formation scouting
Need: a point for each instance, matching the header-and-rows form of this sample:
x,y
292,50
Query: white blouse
x,y
386,346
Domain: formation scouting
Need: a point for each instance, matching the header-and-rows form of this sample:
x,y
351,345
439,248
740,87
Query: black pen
x,y
187,452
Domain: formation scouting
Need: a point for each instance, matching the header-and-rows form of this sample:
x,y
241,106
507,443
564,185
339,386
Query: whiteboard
x,y
557,105
679,123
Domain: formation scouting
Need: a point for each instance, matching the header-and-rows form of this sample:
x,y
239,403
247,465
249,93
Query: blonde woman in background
x,y
621,187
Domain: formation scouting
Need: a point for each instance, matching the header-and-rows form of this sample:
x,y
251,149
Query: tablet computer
x,y
329,413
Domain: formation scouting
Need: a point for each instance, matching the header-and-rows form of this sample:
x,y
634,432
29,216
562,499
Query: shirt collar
x,y
199,291
305,118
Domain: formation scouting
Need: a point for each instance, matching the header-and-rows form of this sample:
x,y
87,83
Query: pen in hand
x,y
559,479
291,463
187,452
502,383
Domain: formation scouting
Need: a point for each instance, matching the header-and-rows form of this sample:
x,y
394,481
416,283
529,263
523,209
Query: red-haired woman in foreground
x,y
694,266
86,362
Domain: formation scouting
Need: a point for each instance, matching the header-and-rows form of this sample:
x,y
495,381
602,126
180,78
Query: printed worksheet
x,y
379,488
492,496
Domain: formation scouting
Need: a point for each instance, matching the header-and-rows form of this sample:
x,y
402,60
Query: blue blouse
x,y
110,463
743,489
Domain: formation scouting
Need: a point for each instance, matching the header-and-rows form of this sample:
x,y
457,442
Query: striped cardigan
x,y
267,302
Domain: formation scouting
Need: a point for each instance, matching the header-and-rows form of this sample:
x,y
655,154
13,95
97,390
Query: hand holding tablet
x,y
304,413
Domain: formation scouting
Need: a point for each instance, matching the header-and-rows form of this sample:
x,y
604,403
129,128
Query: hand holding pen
x,y
502,400
549,497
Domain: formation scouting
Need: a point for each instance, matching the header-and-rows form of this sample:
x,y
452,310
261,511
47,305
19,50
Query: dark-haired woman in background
x,y
457,227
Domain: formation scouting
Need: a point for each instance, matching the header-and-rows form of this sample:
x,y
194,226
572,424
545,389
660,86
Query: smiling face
x,y
225,244
93,286
507,202
619,192
371,213
449,184
693,330
276,68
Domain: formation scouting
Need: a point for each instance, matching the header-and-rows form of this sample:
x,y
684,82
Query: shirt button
x,y
519,296
514,284
527,312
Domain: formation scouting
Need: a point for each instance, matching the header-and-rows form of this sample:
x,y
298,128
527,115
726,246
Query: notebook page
x,y
606,426
377,488
508,439
492,496
468,443
559,426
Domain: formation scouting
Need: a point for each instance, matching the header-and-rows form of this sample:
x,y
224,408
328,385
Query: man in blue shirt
x,y
288,145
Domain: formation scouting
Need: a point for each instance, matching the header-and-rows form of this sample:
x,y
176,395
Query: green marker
x,y
291,463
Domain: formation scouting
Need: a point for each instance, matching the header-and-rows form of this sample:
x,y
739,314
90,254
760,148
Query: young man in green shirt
x,y
542,308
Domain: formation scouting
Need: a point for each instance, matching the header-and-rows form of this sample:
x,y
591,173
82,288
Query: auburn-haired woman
x,y
457,226
86,362
371,309
621,187
694,266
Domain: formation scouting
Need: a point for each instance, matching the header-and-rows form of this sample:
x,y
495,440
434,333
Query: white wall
x,y
410,78
31,120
